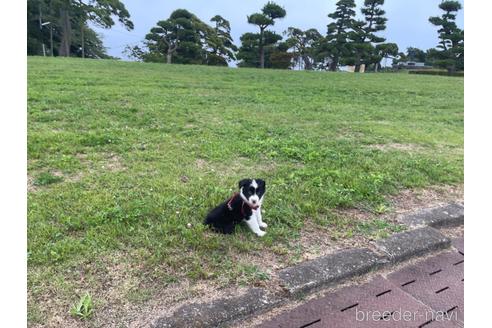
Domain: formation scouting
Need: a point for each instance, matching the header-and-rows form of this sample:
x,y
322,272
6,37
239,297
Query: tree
x,y
275,52
416,54
44,27
99,12
248,52
180,36
280,58
270,12
360,49
134,51
335,44
303,43
450,51
221,43
364,33
89,42
412,54
383,51
185,39
38,13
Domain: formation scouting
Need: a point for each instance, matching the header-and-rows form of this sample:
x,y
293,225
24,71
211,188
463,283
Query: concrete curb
x,y
404,245
326,271
329,270
450,215
219,312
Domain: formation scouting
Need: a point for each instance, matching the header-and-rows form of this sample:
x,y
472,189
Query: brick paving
x,y
427,294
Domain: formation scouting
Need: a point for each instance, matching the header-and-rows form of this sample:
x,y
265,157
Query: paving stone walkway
x,y
427,294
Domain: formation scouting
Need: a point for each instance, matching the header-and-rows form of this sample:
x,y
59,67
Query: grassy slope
x,y
144,149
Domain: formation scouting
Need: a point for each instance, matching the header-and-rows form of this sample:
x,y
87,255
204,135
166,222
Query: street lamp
x,y
51,38
41,24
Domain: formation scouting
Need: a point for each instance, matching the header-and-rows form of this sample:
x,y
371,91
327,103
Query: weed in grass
x,y
250,274
139,295
381,209
46,178
378,228
83,308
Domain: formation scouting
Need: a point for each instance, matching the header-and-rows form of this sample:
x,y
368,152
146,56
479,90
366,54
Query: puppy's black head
x,y
252,189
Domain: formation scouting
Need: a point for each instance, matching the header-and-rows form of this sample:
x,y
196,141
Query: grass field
x,y
123,156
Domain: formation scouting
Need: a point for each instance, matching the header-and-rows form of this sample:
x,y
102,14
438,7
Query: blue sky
x,y
407,25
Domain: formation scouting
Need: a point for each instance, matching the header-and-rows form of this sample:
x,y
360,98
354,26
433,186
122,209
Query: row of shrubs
x,y
436,72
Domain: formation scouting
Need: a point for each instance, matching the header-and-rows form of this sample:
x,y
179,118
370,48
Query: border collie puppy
x,y
243,205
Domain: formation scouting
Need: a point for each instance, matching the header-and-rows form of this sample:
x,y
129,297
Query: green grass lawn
x,y
123,156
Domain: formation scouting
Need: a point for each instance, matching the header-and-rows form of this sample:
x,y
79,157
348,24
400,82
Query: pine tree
x,y
270,12
364,37
178,39
250,45
303,43
450,51
221,43
62,25
336,42
99,12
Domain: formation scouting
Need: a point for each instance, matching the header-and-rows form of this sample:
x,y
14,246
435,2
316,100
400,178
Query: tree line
x,y
60,27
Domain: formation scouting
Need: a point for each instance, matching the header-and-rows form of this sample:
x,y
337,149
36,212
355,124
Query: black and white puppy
x,y
244,205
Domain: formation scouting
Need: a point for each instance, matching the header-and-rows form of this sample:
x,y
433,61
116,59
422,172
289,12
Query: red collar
x,y
253,207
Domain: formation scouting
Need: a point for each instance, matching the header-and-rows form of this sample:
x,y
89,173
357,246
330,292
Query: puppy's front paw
x,y
260,233
263,225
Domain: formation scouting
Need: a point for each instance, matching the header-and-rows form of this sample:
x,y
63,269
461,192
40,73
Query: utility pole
x,y
51,40
41,24
82,40
51,31
41,28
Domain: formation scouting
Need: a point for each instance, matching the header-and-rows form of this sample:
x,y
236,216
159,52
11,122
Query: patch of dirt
x,y
120,310
74,177
354,213
113,163
82,158
57,173
201,164
411,199
240,166
396,146
197,293
267,262
454,232
31,187
68,177
346,133
316,241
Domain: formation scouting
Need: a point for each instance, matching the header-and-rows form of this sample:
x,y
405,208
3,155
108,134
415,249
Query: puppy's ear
x,y
261,182
244,182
